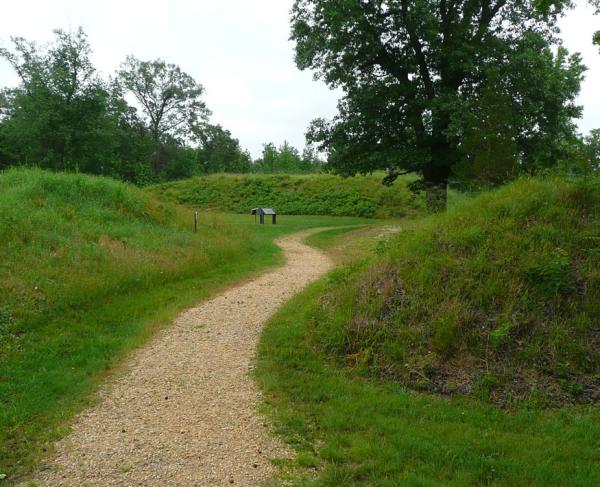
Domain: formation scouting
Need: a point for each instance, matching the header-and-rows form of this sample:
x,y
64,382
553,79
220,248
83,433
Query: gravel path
x,y
184,412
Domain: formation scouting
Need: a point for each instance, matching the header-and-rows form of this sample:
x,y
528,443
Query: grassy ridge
x,y
90,269
500,297
319,194
495,302
352,432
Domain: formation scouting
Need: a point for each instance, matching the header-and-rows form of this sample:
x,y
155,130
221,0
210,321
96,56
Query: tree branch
x,y
418,49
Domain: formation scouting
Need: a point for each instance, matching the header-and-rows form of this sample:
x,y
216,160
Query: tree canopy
x,y
62,116
170,99
422,78
287,159
220,152
65,116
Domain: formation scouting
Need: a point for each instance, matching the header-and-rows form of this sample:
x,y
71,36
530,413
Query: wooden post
x,y
195,221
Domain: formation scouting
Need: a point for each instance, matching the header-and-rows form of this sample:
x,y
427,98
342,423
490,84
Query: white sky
x,y
238,49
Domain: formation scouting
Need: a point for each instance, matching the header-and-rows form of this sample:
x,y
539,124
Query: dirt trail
x,y
184,412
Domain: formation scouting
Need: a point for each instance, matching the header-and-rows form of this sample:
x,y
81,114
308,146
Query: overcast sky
x,y
238,49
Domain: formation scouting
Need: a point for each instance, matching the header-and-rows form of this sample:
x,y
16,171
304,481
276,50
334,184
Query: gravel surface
x,y
184,412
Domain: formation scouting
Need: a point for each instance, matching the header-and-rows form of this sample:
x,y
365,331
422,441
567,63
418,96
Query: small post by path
x,y
196,221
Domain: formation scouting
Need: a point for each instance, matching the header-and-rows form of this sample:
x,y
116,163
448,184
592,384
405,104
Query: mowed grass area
x,y
349,367
314,194
287,224
90,269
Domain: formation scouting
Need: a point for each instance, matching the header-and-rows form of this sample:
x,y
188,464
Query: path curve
x,y
184,412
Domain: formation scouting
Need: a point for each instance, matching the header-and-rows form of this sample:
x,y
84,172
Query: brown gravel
x,y
184,412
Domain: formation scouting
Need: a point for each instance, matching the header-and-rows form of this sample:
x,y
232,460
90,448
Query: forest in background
x,y
148,122
145,124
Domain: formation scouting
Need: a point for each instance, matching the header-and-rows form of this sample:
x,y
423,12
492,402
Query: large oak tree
x,y
417,76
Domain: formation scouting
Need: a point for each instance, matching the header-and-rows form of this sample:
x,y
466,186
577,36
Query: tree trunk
x,y
436,196
435,179
437,171
156,165
156,159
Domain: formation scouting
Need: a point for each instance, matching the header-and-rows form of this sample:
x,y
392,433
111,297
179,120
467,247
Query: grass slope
x,y
499,297
90,269
317,194
354,432
495,301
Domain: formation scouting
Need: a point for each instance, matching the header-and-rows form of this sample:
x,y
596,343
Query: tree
x,y
311,161
596,37
592,148
220,152
59,116
63,116
170,99
410,70
286,159
267,163
488,146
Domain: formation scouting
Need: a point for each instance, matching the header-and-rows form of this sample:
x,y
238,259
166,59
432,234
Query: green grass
x,y
90,269
327,239
317,194
343,364
355,432
499,298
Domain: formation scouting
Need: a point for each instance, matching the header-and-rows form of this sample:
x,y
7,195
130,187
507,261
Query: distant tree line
x,y
146,123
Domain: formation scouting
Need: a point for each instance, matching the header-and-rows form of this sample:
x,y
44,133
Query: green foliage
x,y
501,335
170,99
592,148
286,159
553,276
504,284
488,148
220,152
596,37
63,116
353,432
362,196
416,78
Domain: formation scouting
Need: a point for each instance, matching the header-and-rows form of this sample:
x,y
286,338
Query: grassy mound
x,y
318,194
500,298
66,240
90,268
354,432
